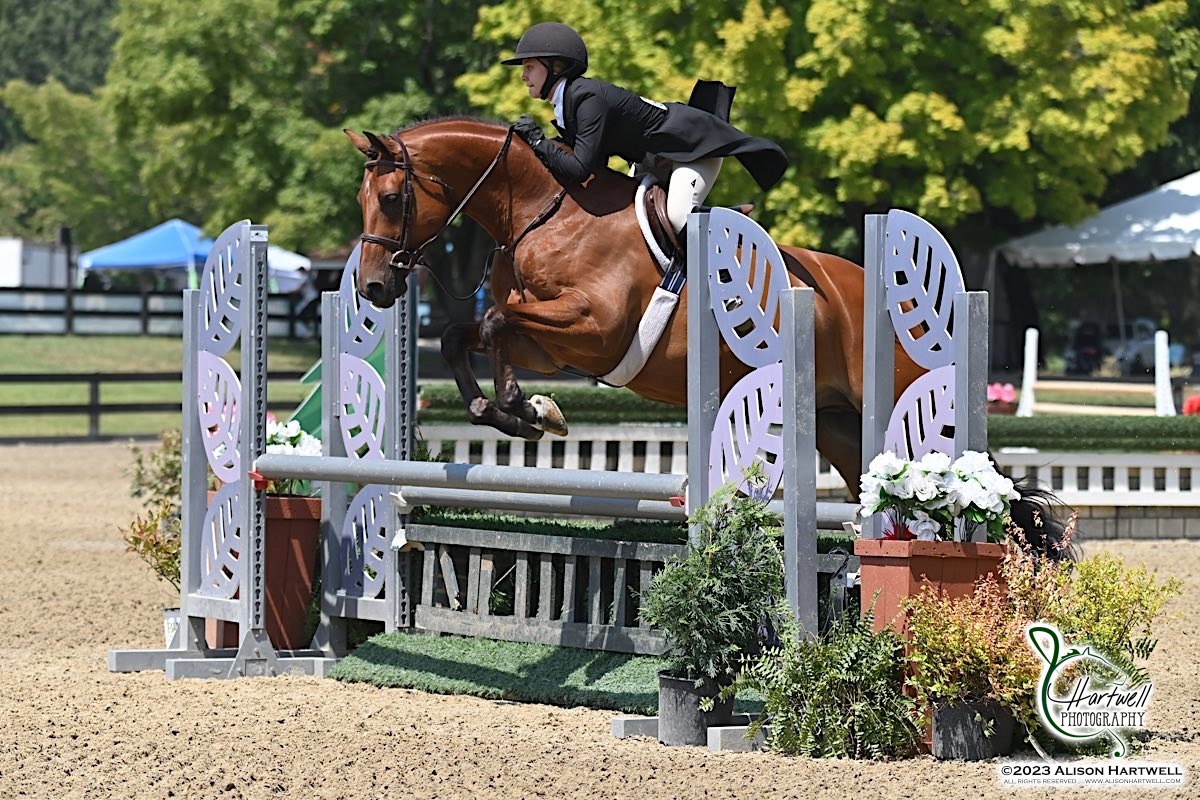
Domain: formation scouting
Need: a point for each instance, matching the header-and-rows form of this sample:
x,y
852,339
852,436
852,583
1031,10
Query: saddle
x,y
663,231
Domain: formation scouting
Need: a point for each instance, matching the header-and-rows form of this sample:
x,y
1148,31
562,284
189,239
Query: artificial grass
x,y
530,673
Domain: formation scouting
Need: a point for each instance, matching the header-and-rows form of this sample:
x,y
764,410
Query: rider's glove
x,y
529,130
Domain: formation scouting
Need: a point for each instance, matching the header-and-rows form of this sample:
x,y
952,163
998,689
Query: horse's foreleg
x,y
523,325
458,342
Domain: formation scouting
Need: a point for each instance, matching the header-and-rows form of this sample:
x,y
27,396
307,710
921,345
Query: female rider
x,y
598,120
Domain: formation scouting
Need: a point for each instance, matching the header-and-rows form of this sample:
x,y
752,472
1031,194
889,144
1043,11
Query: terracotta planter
x,y
293,526
895,570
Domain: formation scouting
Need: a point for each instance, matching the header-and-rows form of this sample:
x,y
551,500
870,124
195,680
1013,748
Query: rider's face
x,y
533,75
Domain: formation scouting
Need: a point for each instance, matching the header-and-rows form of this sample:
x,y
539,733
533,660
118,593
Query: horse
x,y
571,278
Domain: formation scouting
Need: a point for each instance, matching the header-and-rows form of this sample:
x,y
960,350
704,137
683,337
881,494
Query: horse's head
x,y
396,227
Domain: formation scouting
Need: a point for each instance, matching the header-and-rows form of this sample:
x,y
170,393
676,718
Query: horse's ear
x,y
392,145
361,143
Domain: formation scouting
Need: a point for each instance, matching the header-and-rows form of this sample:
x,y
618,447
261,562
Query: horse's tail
x,y
1044,523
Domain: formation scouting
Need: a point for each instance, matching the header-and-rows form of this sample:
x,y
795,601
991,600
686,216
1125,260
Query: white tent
x,y
1160,225
283,268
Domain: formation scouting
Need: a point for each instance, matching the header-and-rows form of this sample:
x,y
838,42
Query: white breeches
x,y
689,186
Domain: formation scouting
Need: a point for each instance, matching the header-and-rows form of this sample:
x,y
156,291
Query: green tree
x,y
978,116
70,40
75,170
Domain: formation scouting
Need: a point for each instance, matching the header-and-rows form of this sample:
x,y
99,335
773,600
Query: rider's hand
x,y
528,130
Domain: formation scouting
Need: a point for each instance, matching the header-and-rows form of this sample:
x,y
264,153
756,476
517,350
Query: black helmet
x,y
550,40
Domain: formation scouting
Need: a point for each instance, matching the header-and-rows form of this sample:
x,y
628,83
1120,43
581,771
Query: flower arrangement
x,y
1001,398
1001,393
288,438
924,498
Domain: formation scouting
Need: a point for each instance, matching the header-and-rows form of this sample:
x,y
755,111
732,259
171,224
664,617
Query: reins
x,y
404,258
399,249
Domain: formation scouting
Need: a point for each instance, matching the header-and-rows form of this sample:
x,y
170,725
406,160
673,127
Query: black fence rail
x,y
54,311
94,409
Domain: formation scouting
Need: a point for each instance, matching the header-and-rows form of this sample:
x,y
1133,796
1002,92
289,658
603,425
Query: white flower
x,y
923,527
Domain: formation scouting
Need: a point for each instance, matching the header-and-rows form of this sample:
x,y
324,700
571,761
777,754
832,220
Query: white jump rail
x,y
1081,479
649,448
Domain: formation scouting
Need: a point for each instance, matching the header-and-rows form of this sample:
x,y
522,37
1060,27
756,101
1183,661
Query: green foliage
x,y
156,478
66,40
970,649
711,604
880,104
1095,433
589,405
839,696
1112,607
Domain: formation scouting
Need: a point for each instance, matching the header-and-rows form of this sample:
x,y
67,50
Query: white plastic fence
x,y
1160,390
1080,479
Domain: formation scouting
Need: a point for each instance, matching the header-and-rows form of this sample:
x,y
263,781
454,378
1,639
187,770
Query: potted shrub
x,y
972,669
837,696
933,508
714,607
155,535
293,525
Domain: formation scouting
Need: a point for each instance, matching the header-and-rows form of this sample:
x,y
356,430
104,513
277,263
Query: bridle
x,y
404,257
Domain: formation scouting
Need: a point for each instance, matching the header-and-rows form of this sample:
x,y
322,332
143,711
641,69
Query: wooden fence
x,y
93,409
57,312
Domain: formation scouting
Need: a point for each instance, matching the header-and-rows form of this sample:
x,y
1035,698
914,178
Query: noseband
x,y
404,257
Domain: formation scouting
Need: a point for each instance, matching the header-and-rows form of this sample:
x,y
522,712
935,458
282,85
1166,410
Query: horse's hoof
x,y
550,418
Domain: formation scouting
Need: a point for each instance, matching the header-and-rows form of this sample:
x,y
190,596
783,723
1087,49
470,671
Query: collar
x,y
556,97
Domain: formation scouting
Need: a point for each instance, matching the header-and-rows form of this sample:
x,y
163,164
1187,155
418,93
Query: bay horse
x,y
572,277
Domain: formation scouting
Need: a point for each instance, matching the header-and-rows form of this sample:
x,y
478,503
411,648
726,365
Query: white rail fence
x,y
1081,479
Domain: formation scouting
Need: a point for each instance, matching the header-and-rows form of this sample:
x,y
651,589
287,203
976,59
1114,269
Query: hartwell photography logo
x,y
1082,695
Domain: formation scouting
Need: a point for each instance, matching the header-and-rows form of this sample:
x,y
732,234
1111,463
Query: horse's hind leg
x,y
839,438
522,327
457,342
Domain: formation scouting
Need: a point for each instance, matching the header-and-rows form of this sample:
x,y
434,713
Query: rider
x,y
599,120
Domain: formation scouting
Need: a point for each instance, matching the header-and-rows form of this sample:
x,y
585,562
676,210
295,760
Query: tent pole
x,y
1116,271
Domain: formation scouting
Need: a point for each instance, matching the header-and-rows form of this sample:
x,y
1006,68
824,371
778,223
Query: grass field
x,y
87,354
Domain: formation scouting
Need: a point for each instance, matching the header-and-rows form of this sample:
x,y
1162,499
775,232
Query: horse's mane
x,y
421,123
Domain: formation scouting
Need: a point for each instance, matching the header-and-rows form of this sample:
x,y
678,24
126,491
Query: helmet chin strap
x,y
551,78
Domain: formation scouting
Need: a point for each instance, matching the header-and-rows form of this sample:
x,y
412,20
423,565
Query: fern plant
x,y
839,696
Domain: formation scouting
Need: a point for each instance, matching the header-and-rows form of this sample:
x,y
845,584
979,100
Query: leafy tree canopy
x,y
978,116
69,40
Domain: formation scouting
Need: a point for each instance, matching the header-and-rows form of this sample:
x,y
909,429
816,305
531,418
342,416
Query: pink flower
x,y
1001,392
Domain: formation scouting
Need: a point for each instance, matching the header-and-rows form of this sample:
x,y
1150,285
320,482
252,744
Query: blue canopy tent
x,y
176,244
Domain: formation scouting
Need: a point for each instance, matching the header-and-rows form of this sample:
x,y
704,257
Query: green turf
x,y
532,673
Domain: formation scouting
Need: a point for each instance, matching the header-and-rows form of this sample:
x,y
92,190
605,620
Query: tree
x,y
76,171
981,117
68,40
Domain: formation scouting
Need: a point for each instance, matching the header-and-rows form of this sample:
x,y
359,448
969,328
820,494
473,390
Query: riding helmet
x,y
552,40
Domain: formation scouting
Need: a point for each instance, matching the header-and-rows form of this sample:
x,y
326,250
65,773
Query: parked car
x,y
1091,343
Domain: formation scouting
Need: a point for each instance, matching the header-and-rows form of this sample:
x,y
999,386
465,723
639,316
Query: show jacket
x,y
603,120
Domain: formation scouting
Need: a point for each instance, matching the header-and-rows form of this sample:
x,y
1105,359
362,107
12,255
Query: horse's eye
x,y
391,198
